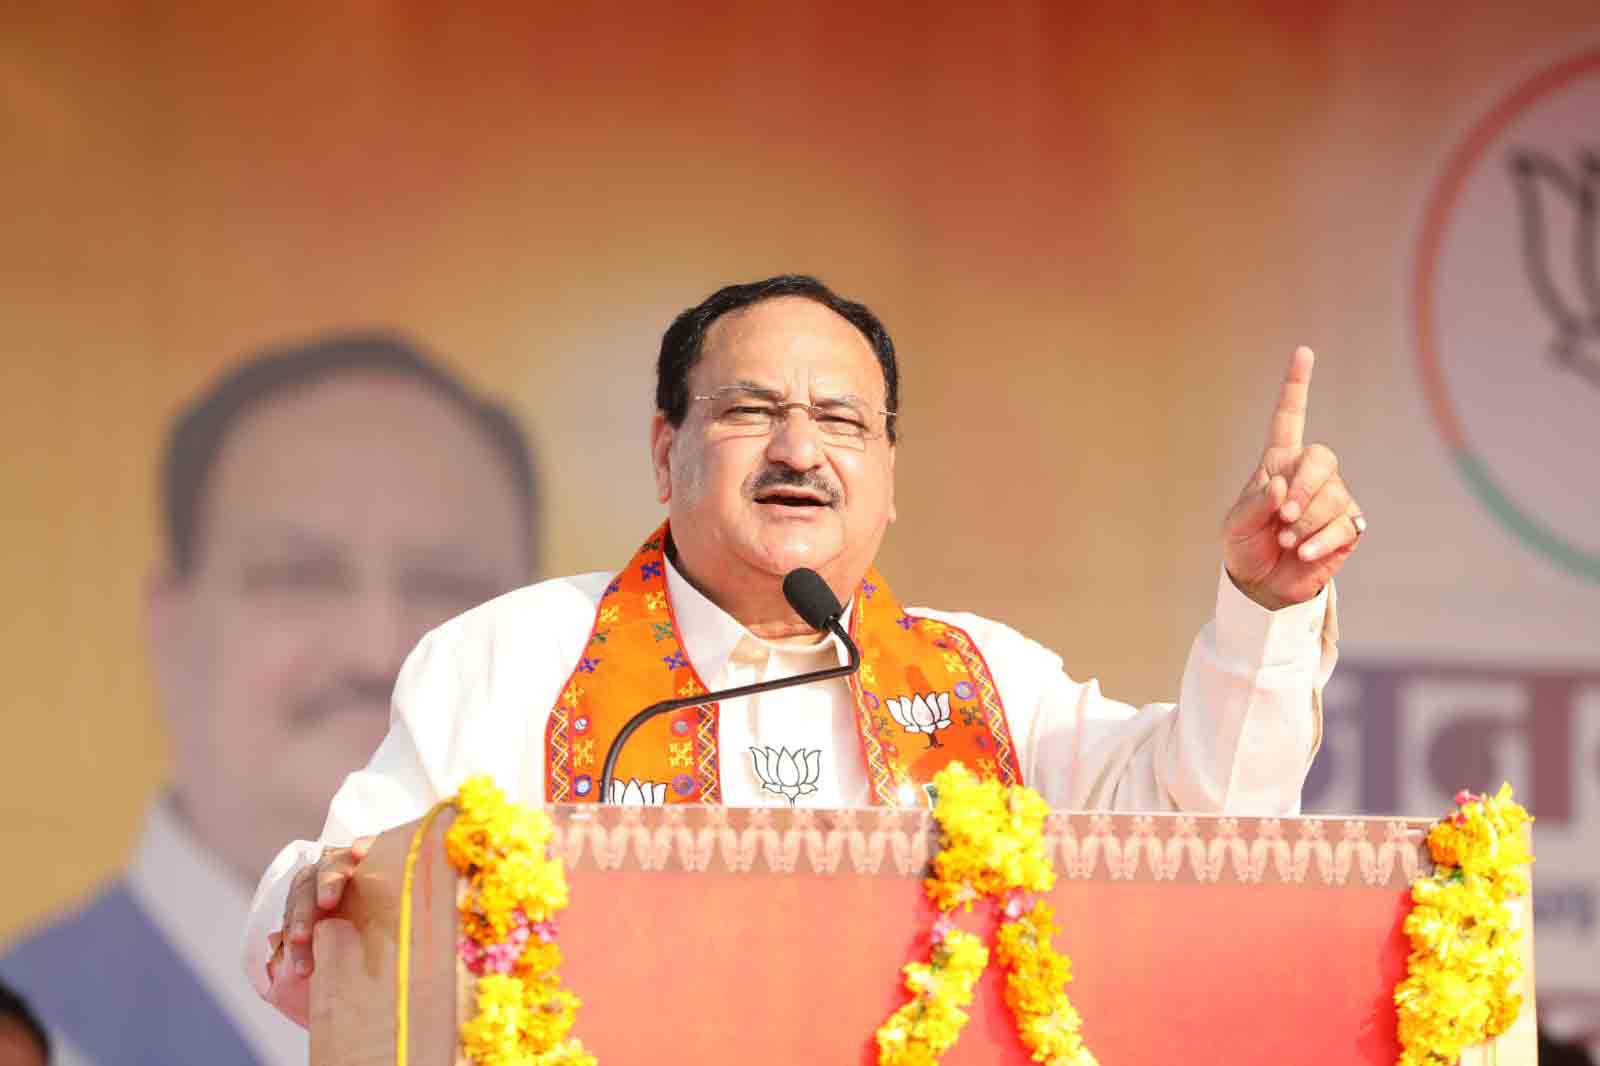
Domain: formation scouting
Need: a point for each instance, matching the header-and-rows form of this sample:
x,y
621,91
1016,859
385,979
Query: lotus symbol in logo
x,y
636,793
923,714
1505,304
788,773
1560,211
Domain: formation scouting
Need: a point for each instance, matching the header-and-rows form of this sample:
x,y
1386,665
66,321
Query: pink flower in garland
x,y
1018,902
501,956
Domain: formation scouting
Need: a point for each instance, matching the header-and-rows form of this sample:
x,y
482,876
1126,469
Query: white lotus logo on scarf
x,y
923,714
788,773
636,793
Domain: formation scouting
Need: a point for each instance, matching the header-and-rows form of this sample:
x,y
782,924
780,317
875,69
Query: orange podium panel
x,y
713,935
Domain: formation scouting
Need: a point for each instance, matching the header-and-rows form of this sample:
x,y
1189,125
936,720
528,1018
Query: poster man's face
x,y
341,522
18,1046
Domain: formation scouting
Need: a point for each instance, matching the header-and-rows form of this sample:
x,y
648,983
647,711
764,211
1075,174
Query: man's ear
x,y
661,434
164,610
892,514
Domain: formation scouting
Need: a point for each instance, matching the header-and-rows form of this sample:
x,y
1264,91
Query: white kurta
x,y
474,696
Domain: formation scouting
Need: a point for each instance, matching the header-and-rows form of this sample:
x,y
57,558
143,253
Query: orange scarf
x,y
924,698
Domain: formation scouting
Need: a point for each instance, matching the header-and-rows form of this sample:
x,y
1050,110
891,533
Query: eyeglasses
x,y
757,412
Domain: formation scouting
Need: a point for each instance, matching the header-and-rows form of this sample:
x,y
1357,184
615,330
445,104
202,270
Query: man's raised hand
x,y
1295,523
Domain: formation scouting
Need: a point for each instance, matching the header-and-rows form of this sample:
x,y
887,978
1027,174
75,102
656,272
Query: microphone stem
x,y
632,725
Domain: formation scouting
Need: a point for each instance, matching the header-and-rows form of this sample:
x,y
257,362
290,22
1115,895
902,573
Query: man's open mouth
x,y
792,498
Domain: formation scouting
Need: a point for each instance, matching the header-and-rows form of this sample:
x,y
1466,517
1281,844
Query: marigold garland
x,y
514,889
925,1028
1466,959
1036,976
991,847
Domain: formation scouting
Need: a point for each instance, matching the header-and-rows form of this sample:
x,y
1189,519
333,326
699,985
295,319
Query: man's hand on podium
x,y
314,894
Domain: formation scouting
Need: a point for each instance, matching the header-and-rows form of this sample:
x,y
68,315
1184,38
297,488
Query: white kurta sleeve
x,y
405,776
1240,738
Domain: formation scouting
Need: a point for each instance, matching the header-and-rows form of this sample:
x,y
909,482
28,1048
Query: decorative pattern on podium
x,y
1083,847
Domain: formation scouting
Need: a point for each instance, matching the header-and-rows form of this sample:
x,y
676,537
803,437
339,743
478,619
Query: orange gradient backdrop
x,y
1096,231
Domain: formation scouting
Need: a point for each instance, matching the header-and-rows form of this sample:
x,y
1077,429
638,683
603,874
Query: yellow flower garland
x,y
991,847
925,1028
1036,976
1466,960
514,889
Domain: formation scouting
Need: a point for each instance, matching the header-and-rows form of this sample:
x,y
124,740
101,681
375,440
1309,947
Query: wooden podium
x,y
711,935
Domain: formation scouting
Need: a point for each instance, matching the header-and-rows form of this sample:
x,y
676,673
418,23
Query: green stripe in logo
x,y
1585,564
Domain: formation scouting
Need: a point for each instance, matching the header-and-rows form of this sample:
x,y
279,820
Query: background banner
x,y
1096,233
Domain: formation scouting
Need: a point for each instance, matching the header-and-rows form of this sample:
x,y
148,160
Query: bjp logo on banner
x,y
1506,310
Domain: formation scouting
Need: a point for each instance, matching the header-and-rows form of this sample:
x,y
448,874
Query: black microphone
x,y
812,599
816,604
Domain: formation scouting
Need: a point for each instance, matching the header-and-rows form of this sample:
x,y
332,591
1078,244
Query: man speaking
x,y
773,445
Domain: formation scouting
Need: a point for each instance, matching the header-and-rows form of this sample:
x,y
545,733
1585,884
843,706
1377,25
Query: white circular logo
x,y
1506,310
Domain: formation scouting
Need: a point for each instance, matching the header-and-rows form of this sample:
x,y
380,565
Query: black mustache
x,y
787,477
349,692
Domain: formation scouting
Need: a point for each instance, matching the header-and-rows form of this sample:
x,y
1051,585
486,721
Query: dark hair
x,y
13,1005
198,434
681,344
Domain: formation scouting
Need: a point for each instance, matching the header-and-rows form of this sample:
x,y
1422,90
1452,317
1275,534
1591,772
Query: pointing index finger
x,y
1289,419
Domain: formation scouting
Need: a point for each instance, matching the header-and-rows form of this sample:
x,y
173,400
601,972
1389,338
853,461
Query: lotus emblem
x,y
788,773
923,714
636,793
1560,209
